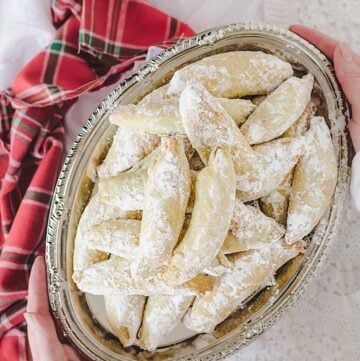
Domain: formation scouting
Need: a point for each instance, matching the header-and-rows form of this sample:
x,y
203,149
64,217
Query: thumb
x,y
347,69
43,341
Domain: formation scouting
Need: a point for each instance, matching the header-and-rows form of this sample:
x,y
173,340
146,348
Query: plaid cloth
x,y
96,41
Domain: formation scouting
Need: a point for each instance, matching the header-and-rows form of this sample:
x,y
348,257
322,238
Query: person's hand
x,y
43,340
347,68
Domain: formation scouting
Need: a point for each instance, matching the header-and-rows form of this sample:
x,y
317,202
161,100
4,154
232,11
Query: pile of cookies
x,y
210,185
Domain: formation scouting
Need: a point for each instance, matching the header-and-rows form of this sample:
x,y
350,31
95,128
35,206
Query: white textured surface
x,y
338,18
355,181
324,323
25,28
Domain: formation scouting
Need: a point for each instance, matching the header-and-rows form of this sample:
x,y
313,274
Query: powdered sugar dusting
x,y
128,148
114,277
251,271
251,229
162,314
279,110
233,74
276,203
206,123
163,116
314,182
214,204
166,197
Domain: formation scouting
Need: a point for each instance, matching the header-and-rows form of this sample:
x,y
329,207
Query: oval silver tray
x,y
74,186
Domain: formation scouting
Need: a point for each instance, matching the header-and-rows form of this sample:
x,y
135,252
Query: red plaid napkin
x,y
95,42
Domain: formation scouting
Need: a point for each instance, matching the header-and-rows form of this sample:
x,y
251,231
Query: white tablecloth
x,y
325,322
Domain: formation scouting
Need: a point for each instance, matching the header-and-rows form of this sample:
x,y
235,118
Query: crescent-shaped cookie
x,y
250,272
233,74
276,204
129,146
166,197
279,110
212,213
314,182
115,277
302,124
163,116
